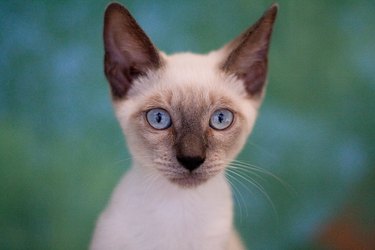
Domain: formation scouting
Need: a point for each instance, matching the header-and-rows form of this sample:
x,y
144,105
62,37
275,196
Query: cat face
x,y
184,116
192,145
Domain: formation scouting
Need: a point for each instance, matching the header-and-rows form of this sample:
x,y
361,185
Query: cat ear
x,y
246,56
129,53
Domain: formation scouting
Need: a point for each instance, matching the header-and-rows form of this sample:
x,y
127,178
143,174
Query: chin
x,y
190,180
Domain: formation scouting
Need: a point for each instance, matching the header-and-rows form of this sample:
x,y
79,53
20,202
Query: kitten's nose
x,y
190,162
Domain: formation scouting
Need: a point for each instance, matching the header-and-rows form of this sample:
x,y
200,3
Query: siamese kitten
x,y
185,117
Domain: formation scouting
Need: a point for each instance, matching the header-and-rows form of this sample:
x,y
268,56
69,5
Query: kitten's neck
x,y
146,209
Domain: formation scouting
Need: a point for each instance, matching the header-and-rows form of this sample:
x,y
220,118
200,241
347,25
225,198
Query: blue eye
x,y
221,119
159,118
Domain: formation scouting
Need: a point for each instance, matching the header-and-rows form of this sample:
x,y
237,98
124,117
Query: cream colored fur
x,y
160,203
146,210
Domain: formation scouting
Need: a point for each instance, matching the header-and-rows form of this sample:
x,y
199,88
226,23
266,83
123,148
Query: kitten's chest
x,y
175,219
184,226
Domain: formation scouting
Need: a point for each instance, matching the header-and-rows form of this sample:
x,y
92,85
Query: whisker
x,y
150,181
252,181
246,170
248,167
236,192
130,158
257,186
249,180
122,160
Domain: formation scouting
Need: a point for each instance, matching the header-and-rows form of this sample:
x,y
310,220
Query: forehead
x,y
189,84
193,99
186,69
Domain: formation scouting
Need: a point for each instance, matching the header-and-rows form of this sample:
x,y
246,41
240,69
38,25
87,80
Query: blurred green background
x,y
62,152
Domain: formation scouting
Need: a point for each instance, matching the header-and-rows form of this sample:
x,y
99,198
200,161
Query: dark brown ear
x,y
129,53
247,54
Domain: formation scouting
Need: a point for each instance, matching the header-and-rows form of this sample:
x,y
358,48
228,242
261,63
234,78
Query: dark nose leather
x,y
191,150
190,162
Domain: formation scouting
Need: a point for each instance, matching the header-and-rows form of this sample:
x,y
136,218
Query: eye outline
x,y
229,125
165,112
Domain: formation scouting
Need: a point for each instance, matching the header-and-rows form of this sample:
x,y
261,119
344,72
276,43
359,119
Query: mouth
x,y
189,180
184,178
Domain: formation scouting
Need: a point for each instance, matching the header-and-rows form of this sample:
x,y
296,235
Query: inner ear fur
x,y
129,52
246,56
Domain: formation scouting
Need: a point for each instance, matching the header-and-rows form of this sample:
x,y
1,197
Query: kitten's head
x,y
185,116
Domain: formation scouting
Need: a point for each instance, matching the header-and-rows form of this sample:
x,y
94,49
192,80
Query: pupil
x,y
158,117
221,117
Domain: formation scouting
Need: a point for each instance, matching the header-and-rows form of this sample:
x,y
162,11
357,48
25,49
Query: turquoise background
x,y
62,152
